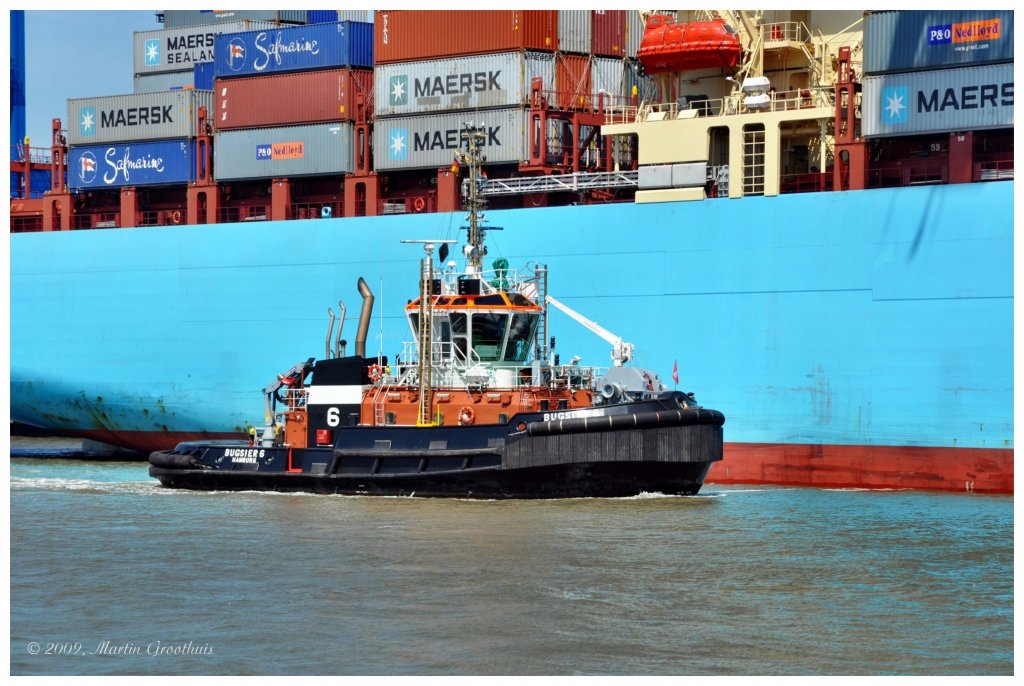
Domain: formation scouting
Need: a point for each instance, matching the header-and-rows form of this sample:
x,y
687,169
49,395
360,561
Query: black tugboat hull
x,y
593,480
656,446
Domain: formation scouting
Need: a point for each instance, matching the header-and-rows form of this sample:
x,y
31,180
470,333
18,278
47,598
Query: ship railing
x,y
784,31
779,101
993,170
35,155
314,210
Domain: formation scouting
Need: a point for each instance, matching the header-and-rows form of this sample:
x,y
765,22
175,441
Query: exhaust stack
x,y
364,317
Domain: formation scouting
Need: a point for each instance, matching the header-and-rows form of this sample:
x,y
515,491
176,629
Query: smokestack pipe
x,y
364,317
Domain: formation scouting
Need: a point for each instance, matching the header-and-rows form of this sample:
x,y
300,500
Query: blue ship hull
x,y
870,330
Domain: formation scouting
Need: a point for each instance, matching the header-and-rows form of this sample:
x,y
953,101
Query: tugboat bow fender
x,y
620,422
171,460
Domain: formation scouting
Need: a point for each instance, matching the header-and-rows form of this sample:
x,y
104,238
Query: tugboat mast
x,y
474,202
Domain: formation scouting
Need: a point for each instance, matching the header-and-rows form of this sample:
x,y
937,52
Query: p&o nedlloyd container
x,y
455,83
283,151
294,48
178,49
287,99
135,117
146,163
966,99
908,40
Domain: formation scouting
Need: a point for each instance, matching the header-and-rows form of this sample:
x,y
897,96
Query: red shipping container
x,y
608,33
284,99
414,35
572,80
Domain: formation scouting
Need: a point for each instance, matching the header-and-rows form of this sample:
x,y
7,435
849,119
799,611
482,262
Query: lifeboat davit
x,y
668,46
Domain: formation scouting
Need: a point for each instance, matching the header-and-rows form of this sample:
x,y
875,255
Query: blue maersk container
x,y
294,48
149,163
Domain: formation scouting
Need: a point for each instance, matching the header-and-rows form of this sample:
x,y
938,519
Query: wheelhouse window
x,y
520,333
489,334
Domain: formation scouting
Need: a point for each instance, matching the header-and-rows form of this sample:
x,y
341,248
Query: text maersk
x,y
449,139
137,116
454,84
966,98
179,48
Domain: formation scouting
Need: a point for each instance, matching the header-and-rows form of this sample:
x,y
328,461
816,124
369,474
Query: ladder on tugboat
x,y
378,403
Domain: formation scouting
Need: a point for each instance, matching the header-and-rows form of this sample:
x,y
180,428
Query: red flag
x,y
455,166
675,371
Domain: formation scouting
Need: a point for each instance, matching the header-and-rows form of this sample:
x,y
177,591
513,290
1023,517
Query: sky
x,y
76,54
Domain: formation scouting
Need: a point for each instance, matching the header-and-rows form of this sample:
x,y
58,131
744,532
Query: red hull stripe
x,y
980,470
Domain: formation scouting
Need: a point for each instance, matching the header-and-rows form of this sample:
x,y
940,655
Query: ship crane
x,y
621,351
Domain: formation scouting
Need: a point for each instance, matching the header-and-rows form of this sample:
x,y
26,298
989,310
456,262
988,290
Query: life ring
x,y
466,416
419,203
375,372
176,216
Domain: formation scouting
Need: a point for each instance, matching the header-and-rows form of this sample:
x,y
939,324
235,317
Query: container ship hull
x,y
855,339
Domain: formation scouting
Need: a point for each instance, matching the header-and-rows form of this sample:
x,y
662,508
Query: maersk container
x,y
287,151
574,31
203,76
178,49
945,100
608,35
413,35
430,140
148,163
135,117
177,18
164,81
458,83
304,97
909,40
294,48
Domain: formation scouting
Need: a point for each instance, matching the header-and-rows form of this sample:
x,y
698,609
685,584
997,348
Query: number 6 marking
x,y
333,416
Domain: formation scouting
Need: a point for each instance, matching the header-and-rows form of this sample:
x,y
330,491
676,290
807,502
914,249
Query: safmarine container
x,y
294,48
412,35
288,151
456,83
608,36
289,99
910,40
203,77
135,117
177,18
574,31
946,100
149,163
178,49
164,81
429,141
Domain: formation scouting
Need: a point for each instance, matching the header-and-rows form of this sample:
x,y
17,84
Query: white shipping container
x,y
430,140
634,32
574,31
135,117
609,75
285,151
944,100
459,83
164,81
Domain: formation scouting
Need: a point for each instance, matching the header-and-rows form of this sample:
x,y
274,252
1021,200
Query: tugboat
x,y
477,407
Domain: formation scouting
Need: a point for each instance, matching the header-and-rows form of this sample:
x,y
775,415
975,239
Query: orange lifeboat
x,y
668,46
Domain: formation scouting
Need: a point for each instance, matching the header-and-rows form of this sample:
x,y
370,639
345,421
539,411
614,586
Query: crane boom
x,y
621,351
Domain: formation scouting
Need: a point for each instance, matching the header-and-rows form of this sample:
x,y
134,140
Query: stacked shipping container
x,y
286,97
129,140
937,71
437,70
167,58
